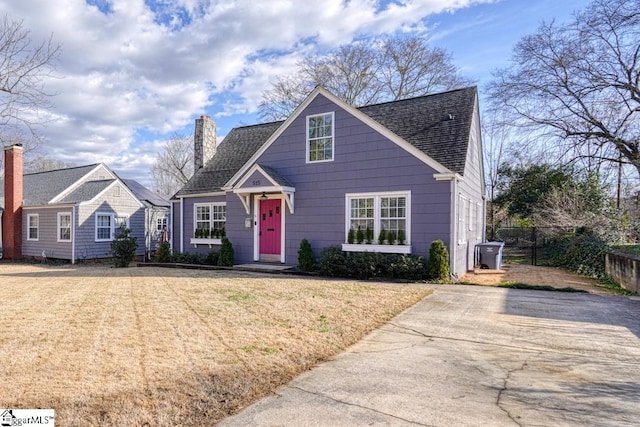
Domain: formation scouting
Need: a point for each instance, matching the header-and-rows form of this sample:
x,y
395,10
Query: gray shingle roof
x,y
439,125
87,191
144,194
236,149
39,188
279,179
425,123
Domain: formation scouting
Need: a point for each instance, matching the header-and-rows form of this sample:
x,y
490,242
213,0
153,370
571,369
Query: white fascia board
x,y
353,111
81,181
450,176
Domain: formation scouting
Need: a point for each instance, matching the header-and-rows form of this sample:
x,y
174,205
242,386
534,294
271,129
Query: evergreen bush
x,y
382,236
391,237
370,265
401,237
226,256
351,236
123,247
163,254
306,260
368,235
359,235
438,262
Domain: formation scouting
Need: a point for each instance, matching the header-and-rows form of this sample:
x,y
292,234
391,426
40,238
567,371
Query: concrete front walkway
x,y
477,356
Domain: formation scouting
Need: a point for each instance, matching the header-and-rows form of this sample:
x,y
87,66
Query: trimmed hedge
x,y
370,265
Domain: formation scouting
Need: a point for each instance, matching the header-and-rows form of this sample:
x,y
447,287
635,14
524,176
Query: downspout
x,y
181,224
453,242
73,233
170,226
1,233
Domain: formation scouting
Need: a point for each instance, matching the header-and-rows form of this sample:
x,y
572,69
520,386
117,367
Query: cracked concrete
x,y
469,356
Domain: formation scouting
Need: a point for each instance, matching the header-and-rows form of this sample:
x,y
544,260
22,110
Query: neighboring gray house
x,y
73,213
413,167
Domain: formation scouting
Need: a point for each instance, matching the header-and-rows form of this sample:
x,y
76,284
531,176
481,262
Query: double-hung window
x,y
33,222
320,138
107,224
385,214
209,217
64,227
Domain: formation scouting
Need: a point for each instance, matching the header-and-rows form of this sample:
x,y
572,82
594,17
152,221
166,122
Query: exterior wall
x,y
121,205
189,224
12,218
472,189
364,161
625,270
47,244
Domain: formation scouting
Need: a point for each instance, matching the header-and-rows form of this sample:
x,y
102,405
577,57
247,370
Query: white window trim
x,y
462,218
333,138
29,238
377,196
61,214
211,205
479,221
113,225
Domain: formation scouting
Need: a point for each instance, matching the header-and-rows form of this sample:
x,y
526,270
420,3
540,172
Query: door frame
x,y
256,226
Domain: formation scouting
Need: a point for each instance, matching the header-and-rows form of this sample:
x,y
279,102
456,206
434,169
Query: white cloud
x,y
151,67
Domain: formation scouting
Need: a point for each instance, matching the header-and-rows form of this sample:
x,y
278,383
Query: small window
x,y
161,224
104,224
320,138
64,227
209,217
33,221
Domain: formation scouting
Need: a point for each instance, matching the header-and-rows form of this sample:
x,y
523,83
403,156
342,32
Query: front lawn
x,y
165,347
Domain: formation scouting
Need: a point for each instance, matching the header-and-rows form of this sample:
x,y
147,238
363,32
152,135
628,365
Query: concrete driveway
x,y
477,356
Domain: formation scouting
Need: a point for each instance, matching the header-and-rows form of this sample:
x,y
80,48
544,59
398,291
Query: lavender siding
x,y
472,188
364,161
47,234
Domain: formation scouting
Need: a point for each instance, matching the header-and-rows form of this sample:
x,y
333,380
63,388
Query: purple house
x,y
405,173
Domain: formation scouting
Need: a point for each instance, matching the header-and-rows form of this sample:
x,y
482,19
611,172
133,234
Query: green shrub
x,y
163,254
123,247
370,265
212,257
306,260
582,252
226,256
359,235
382,236
391,237
401,237
438,262
368,235
351,236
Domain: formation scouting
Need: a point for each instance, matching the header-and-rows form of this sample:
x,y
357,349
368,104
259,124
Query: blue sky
x,y
132,72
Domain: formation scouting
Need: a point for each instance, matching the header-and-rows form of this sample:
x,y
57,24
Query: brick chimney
x,y
204,142
12,217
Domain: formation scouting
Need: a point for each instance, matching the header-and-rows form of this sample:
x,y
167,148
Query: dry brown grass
x,y
164,347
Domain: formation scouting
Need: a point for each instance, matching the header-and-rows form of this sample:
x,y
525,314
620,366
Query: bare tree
x,y
361,74
24,67
173,165
580,83
42,163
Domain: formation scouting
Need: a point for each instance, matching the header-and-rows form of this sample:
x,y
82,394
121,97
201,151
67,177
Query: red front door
x,y
270,226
